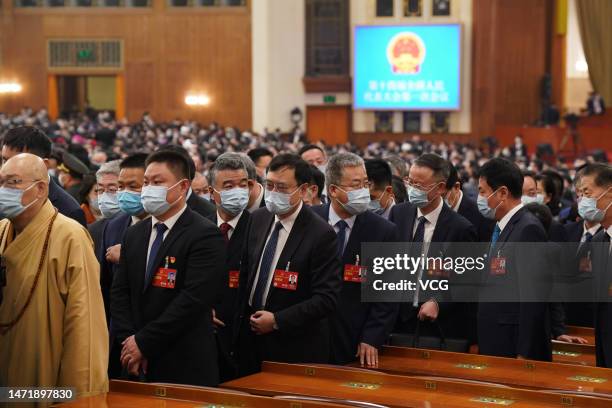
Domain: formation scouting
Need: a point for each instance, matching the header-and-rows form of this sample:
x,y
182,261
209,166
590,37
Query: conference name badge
x,y
165,278
585,264
354,272
285,279
234,279
498,265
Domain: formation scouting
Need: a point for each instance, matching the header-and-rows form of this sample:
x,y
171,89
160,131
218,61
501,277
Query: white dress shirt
x,y
170,222
506,218
333,220
430,226
233,222
283,234
593,230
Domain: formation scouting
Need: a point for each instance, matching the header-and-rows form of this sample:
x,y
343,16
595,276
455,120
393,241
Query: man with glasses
x,y
52,327
358,329
426,221
291,273
28,139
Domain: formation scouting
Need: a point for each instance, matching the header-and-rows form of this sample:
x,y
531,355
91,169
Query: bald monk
x,y
52,323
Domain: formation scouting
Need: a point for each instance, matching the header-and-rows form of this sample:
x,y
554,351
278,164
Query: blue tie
x,y
419,236
494,238
342,226
264,270
159,239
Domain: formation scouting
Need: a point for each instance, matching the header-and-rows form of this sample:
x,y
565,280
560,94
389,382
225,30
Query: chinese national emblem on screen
x,y
406,53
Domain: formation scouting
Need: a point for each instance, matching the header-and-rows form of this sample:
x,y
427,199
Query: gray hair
x,y
109,168
397,164
335,165
227,161
249,164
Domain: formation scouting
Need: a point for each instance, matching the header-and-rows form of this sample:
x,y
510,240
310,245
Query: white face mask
x,y
154,199
279,203
358,201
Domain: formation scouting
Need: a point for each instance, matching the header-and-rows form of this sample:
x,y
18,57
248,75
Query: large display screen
x,y
408,67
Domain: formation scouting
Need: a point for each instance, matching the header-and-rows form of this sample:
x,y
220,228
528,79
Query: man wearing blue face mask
x,y
229,187
596,205
382,198
171,270
428,223
130,182
508,325
291,275
357,329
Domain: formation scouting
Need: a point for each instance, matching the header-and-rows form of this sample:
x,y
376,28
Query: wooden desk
x,y
571,353
516,373
588,333
124,394
398,391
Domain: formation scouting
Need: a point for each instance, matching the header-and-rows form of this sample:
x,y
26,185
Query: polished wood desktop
x,y
399,391
572,353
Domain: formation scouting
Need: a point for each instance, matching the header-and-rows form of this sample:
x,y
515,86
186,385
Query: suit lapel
x,y
266,223
181,224
441,228
410,222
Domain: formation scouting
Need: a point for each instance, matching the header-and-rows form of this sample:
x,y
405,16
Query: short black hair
x,y
257,153
379,172
542,213
317,177
499,172
182,151
176,162
308,147
436,163
453,176
601,171
134,161
29,138
295,162
399,190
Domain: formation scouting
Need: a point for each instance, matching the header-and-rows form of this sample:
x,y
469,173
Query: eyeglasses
x,y
13,183
357,185
421,187
110,190
279,187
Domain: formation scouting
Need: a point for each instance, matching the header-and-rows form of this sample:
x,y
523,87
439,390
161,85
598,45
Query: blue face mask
x,y
539,199
587,208
419,197
279,203
109,206
130,202
234,201
10,202
205,196
358,201
154,199
483,206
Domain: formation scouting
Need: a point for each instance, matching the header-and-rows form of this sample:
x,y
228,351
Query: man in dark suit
x,y
29,139
513,315
198,204
596,204
107,185
465,206
229,187
291,272
382,197
358,329
256,195
428,223
171,270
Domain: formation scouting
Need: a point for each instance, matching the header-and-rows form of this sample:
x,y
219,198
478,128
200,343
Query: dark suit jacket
x,y
65,204
450,228
355,322
201,206
469,210
226,306
508,327
303,334
172,326
602,282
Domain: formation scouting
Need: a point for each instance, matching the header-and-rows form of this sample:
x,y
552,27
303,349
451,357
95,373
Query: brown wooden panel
x,y
126,394
397,391
570,353
330,124
513,372
207,50
327,84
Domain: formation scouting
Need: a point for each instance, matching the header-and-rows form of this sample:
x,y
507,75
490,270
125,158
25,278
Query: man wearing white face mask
x,y
427,222
229,187
170,272
512,327
596,205
358,329
291,275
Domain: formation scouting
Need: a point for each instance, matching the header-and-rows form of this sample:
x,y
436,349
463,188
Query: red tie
x,y
225,228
